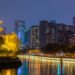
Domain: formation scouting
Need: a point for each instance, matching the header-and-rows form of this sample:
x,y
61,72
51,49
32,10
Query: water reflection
x,y
39,67
46,67
69,68
24,69
42,66
8,72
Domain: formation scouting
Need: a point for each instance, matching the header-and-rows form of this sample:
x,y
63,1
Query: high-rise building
x,y
27,38
72,40
73,20
34,37
51,32
20,30
43,29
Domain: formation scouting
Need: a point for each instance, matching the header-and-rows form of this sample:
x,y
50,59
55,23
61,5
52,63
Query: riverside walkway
x,y
47,58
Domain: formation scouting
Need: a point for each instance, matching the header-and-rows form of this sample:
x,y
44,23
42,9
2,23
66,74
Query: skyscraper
x,y
20,30
73,20
43,27
52,32
27,38
34,37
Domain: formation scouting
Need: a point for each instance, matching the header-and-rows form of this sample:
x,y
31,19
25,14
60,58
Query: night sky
x,y
32,11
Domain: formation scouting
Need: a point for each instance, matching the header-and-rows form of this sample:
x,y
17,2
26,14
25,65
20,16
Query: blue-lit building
x,y
27,38
20,30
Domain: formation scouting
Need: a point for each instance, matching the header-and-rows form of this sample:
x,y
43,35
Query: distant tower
x,y
74,20
20,30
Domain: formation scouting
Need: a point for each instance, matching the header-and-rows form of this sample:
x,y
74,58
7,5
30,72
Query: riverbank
x,y
47,55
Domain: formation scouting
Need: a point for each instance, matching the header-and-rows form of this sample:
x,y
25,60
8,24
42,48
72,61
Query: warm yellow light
x,y
1,29
1,21
39,58
11,43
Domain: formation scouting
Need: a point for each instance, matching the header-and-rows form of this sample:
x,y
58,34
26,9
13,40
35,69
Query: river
x,y
35,65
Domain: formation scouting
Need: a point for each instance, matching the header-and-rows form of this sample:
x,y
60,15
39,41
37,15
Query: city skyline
x,y
34,11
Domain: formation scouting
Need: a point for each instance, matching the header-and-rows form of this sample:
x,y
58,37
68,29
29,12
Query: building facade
x,y
34,37
51,32
73,20
44,28
20,30
27,38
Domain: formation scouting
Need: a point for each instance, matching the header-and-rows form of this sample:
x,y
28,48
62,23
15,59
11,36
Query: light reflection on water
x,y
46,67
8,72
39,66
36,67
